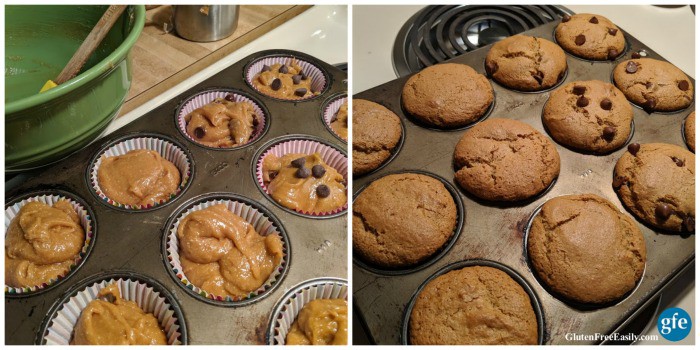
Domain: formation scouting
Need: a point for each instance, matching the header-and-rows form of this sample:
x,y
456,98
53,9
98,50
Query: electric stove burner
x,y
438,33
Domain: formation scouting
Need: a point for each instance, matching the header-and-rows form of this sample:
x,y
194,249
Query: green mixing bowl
x,y
41,128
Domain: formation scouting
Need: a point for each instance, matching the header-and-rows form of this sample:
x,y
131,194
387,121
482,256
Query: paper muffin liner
x,y
304,145
205,97
61,321
330,110
86,221
263,224
319,80
288,307
167,149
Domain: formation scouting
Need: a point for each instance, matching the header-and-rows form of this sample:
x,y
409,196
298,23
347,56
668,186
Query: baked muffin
x,y
376,132
339,121
222,123
285,81
585,249
591,116
654,85
656,182
447,95
41,243
505,160
689,131
320,322
526,63
589,36
401,220
476,305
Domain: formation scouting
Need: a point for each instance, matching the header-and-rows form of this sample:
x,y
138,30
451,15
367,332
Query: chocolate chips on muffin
x,y
654,85
589,36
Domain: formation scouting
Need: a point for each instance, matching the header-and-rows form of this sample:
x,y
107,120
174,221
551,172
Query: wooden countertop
x,y
161,60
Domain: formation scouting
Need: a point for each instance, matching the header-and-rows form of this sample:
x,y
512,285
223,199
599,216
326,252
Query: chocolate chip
x,y
318,171
296,79
612,53
566,18
276,84
606,104
649,104
631,67
579,90
678,161
582,102
266,68
636,55
299,162
580,39
199,133
609,133
230,97
663,211
593,20
303,173
689,224
273,174
303,75
300,92
491,67
612,31
619,181
649,85
683,85
539,77
633,148
284,69
323,191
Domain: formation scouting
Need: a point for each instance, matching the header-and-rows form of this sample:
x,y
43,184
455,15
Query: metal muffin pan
x,y
132,240
495,231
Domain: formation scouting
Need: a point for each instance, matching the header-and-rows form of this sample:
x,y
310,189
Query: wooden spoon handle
x,y
93,40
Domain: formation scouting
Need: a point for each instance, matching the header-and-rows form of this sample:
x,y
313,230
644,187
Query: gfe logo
x,y
674,324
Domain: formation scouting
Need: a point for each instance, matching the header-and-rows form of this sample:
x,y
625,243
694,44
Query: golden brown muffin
x,y
376,131
655,85
320,322
590,36
689,130
222,123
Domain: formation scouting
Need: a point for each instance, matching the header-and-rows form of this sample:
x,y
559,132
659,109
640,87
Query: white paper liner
x,y
262,225
330,156
292,304
49,199
207,97
331,110
318,79
166,149
64,320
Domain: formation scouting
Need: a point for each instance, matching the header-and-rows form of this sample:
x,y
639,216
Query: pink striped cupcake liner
x,y
166,147
319,79
205,97
149,295
86,221
263,222
303,144
288,307
330,110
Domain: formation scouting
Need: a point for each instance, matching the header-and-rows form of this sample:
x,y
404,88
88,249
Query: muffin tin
x,y
133,241
496,231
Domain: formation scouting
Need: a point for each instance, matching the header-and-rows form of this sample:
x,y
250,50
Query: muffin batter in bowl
x,y
139,177
222,123
41,243
284,81
116,322
304,183
339,122
222,253
320,322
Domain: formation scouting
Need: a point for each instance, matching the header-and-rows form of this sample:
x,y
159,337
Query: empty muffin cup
x,y
202,98
320,80
330,112
302,144
263,221
151,296
167,147
288,307
87,221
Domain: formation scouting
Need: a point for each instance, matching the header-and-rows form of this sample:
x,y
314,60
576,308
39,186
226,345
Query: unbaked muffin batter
x,y
320,322
223,254
41,243
116,322
222,123
285,81
339,122
304,182
139,177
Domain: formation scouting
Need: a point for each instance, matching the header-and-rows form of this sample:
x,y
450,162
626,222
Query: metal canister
x,y
205,23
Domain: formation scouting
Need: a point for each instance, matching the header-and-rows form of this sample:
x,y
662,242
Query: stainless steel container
x,y
204,23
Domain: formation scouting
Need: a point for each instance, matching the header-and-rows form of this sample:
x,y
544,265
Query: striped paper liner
x,y
330,156
63,321
166,149
290,305
85,221
262,225
318,78
332,109
207,97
